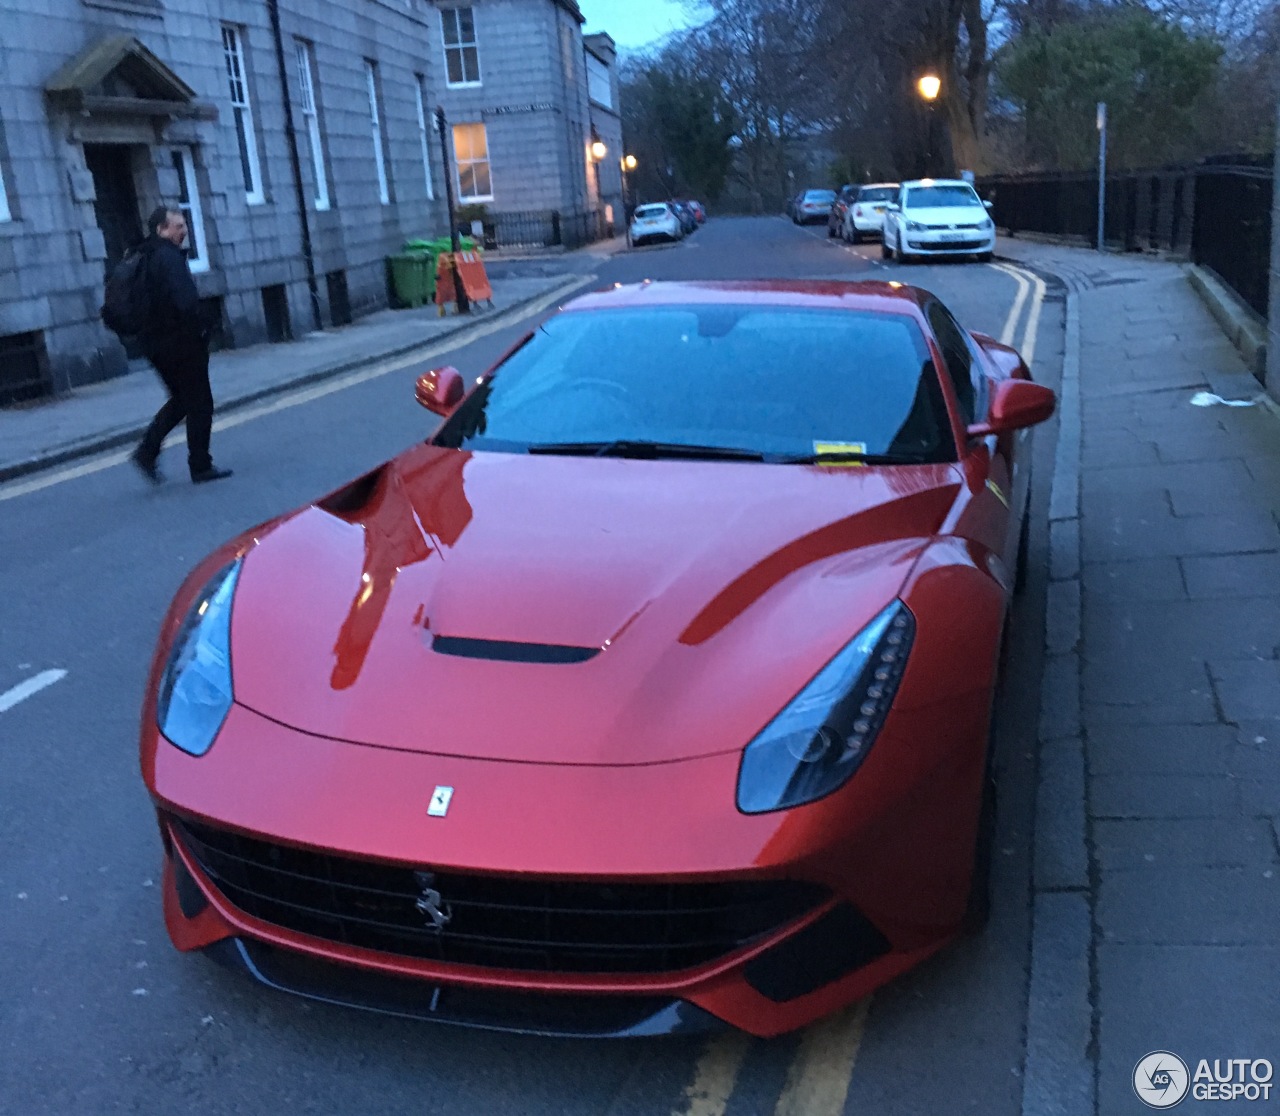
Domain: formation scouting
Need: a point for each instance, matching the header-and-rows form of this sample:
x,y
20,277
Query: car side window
x,y
966,378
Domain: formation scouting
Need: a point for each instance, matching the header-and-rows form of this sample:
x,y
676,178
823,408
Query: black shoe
x,y
146,466
212,473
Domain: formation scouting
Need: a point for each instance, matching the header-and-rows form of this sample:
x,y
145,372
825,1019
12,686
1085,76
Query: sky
x,y
634,23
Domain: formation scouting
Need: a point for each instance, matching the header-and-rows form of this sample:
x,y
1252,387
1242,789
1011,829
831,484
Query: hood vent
x,y
505,651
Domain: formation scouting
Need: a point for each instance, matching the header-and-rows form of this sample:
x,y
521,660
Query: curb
x,y
1244,331
1059,1075
123,436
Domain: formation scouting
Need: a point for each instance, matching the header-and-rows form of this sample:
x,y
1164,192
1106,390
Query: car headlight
x,y
195,689
916,226
819,740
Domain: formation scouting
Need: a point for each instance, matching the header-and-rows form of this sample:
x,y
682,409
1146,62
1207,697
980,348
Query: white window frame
x,y
242,112
458,162
6,214
448,15
191,210
306,57
375,123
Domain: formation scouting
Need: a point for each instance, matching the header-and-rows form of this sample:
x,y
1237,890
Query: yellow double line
x,y
817,1081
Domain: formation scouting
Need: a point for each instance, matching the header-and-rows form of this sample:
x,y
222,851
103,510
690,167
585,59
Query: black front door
x,y
116,205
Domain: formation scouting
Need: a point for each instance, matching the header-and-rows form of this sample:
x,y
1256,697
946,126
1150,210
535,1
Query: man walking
x,y
176,342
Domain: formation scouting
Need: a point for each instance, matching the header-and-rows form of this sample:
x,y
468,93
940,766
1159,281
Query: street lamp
x,y
627,164
929,86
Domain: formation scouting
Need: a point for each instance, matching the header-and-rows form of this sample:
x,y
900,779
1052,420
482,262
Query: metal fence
x,y
1233,228
1217,213
549,228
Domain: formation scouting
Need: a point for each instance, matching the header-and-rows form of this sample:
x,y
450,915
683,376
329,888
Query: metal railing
x,y
549,228
1216,213
1233,228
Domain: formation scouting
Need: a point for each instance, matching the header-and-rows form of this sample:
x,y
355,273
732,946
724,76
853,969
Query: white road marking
x,y
502,321
29,688
715,1075
818,1080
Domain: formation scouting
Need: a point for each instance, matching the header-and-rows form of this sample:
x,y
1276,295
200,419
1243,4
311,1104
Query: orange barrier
x,y
475,281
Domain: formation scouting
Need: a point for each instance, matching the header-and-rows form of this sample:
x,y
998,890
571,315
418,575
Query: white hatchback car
x,y
937,217
865,216
652,221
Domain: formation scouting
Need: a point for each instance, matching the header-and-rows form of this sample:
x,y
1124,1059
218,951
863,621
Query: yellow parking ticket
x,y
835,449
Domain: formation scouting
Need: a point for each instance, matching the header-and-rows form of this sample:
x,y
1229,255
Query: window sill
x,y
151,8
464,85
463,200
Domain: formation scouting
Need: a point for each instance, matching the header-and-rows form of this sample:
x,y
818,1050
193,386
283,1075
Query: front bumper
x,y
890,902
974,241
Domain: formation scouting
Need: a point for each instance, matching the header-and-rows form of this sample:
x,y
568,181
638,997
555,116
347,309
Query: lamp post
x,y
627,164
460,292
929,86
598,152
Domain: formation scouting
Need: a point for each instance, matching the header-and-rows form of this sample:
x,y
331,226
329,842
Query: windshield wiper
x,y
845,456
641,448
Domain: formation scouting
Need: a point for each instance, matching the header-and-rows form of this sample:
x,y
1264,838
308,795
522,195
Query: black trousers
x,y
183,365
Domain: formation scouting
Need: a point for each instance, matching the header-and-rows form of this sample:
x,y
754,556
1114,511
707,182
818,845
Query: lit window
x,y
306,83
424,134
238,86
5,213
461,52
471,149
375,123
189,203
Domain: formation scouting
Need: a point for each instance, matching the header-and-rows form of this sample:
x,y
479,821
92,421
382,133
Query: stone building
x,y
298,136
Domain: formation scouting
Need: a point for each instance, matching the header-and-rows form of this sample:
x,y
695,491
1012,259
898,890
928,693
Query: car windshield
x,y
820,195
925,197
651,211
877,193
765,382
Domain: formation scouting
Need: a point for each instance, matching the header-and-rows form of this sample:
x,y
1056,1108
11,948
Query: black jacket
x,y
175,306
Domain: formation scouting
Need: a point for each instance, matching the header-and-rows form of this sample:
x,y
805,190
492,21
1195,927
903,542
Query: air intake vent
x,y
508,652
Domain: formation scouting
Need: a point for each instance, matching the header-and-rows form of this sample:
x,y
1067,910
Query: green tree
x,y
1153,74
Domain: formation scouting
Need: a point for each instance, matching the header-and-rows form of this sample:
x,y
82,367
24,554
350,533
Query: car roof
x,y
830,294
936,182
879,185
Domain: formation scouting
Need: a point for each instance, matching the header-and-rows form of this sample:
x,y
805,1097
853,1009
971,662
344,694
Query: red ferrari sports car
x,y
651,693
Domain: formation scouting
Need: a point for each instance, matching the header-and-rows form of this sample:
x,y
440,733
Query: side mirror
x,y
892,207
989,204
440,390
1016,404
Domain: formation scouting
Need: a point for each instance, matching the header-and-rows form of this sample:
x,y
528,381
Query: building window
x,y
471,149
6,214
375,123
461,53
189,203
424,134
238,85
306,83
599,83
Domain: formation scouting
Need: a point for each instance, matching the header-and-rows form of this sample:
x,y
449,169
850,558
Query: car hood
x,y
946,215
568,610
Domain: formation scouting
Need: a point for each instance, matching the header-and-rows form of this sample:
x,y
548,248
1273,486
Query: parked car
x,y
864,217
641,697
688,222
699,211
654,221
937,217
813,205
835,219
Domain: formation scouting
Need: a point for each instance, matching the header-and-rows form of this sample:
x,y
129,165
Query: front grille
x,y
528,923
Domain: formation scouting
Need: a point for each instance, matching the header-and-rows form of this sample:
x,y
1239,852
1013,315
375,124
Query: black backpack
x,y
126,308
